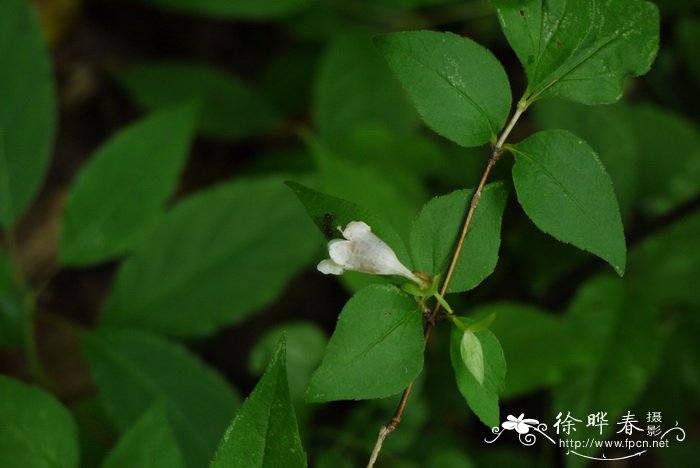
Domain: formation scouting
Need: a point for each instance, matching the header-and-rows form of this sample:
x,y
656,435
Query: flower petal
x,y
329,267
356,230
340,251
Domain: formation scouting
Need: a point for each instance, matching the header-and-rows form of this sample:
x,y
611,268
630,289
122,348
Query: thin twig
x,y
384,431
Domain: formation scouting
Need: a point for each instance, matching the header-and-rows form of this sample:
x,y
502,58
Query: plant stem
x,y
430,323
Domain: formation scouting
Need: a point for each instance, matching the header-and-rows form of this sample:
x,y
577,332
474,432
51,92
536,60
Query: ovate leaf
x,y
437,229
133,370
563,187
609,132
27,109
264,432
459,88
36,431
230,108
376,349
480,370
244,9
214,259
149,443
580,49
121,192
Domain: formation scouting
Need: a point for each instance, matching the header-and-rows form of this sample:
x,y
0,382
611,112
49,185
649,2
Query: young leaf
x,y
472,355
230,109
580,49
214,259
329,212
121,192
437,229
564,189
243,9
459,88
36,431
264,432
149,443
536,345
376,349
355,87
617,344
480,370
27,113
133,370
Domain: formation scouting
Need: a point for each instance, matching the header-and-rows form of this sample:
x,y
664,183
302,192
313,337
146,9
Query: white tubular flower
x,y
364,252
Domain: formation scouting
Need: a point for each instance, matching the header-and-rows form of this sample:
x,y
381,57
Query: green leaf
x,y
472,355
580,49
536,345
133,370
27,113
305,345
376,349
149,443
243,9
230,109
36,431
659,134
121,192
13,316
354,86
368,186
563,187
264,432
213,260
665,268
608,130
617,344
481,394
437,229
459,88
329,212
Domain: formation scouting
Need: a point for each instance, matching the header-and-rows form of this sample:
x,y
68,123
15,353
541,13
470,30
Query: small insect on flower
x,y
328,229
363,251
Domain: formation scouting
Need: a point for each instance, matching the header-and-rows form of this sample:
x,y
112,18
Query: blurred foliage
x,y
152,256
